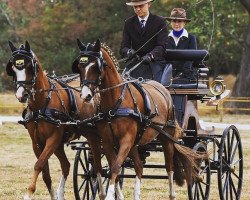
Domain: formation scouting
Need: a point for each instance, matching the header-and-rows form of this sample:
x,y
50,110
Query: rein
x,y
139,80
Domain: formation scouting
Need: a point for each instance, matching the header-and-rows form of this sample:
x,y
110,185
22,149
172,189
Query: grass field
x,y
17,161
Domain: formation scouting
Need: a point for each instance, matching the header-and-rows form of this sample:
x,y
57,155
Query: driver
x,y
144,34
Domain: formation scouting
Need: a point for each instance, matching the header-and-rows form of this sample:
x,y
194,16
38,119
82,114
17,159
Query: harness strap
x,y
119,101
160,130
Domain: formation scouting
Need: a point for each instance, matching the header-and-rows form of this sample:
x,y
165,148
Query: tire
x,y
230,171
200,189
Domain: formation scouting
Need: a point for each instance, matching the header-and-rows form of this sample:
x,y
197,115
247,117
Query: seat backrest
x,y
186,55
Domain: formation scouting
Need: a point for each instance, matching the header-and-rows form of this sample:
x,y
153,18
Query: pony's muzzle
x,y
86,93
88,98
24,97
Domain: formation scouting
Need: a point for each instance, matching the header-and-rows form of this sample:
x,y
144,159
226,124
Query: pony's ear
x,y
9,69
12,47
27,46
74,67
97,46
81,46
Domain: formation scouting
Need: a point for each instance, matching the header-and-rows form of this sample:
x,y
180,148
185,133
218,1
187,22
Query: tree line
x,y
52,27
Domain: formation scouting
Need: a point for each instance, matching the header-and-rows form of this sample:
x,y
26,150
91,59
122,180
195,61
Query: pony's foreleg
x,y
49,149
138,165
125,146
46,175
65,166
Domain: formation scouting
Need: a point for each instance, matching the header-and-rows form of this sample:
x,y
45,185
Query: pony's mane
x,y
111,54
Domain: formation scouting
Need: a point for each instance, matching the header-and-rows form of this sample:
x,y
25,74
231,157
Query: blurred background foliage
x,y
52,26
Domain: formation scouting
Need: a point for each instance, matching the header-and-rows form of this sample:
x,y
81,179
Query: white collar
x,y
145,18
177,39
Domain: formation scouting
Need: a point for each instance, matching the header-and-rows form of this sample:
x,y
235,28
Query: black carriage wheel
x,y
85,183
230,171
201,187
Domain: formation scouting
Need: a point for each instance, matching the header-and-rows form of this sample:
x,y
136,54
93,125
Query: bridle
x,y
83,59
20,65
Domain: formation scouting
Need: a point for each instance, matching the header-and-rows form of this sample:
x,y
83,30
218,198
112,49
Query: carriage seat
x,y
197,56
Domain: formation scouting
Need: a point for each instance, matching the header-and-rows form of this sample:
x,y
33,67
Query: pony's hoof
x,y
102,197
110,197
172,197
28,197
59,197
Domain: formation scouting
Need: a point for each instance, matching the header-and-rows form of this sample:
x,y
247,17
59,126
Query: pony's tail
x,y
186,164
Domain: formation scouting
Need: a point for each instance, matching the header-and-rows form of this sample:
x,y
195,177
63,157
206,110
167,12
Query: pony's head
x,y
23,68
90,65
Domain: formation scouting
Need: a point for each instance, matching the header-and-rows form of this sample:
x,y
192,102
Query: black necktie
x,y
142,23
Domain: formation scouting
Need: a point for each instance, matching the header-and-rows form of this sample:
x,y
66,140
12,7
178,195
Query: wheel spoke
x,y
201,191
196,191
83,183
85,190
86,159
225,183
233,186
236,175
204,169
230,145
237,161
225,152
92,186
82,164
234,152
206,184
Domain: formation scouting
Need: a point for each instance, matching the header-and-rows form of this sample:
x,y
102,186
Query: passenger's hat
x,y
178,13
138,2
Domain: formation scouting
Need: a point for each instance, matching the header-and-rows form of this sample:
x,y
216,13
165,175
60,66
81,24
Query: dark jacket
x,y
184,43
134,37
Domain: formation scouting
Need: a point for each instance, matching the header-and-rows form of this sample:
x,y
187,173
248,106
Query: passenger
x,y
145,34
179,38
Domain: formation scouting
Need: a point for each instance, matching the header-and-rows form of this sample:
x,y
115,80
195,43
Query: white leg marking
x,y
111,193
52,193
137,189
60,189
102,192
172,194
27,197
118,192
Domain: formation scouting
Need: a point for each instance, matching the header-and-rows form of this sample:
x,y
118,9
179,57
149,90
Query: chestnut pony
x,y
52,109
130,116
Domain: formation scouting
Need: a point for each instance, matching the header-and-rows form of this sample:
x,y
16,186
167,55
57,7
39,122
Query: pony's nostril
x,y
88,98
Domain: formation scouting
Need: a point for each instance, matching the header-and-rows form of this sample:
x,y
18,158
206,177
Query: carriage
x,y
224,150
